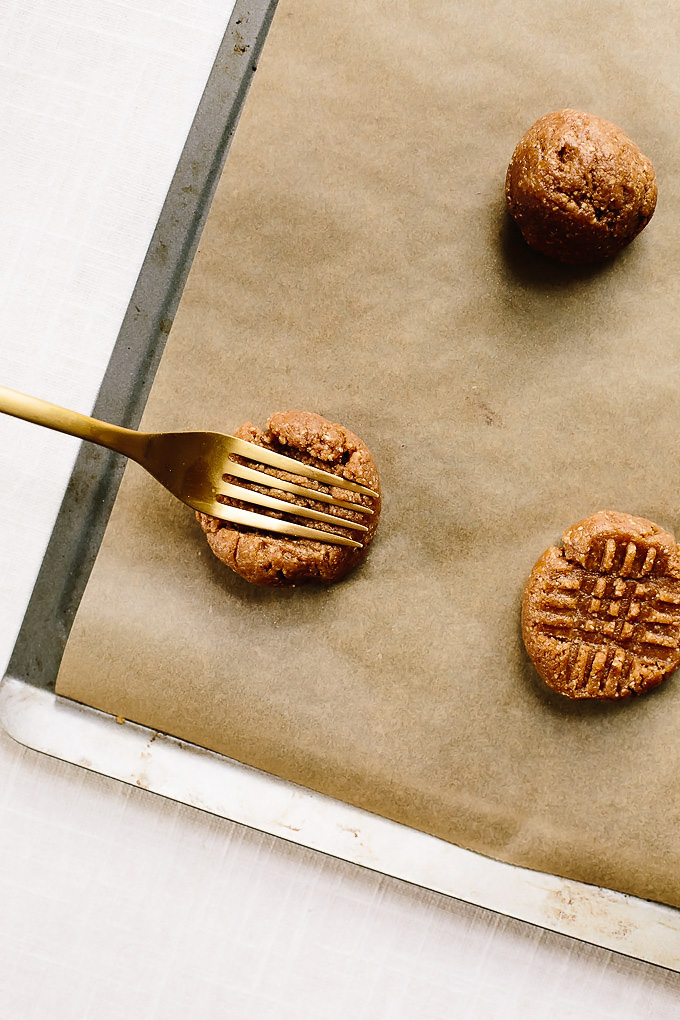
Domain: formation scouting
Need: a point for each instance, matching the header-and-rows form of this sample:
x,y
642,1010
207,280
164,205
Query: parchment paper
x,y
358,262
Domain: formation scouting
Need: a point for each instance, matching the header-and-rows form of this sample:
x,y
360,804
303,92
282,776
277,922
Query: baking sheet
x,y
357,261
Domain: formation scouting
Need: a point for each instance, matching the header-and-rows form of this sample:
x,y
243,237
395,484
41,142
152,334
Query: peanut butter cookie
x,y
601,615
275,560
579,189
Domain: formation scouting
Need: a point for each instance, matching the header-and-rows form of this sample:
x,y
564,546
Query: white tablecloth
x,y
113,902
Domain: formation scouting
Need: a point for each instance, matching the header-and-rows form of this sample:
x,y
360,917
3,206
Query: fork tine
x,y
235,515
262,478
251,451
259,498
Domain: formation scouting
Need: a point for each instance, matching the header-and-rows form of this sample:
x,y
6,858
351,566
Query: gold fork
x,y
191,465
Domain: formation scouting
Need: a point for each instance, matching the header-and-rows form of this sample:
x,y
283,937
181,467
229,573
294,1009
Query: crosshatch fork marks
x,y
611,622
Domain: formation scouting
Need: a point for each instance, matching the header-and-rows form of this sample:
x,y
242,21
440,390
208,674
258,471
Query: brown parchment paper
x,y
358,262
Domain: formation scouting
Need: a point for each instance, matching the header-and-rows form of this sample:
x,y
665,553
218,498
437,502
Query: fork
x,y
192,465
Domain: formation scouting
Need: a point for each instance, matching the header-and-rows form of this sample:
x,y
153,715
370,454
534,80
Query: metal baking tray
x,y
31,712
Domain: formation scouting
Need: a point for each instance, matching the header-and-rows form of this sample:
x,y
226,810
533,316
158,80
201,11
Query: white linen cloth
x,y
113,902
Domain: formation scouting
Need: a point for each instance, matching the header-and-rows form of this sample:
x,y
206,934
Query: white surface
x,y
96,101
115,903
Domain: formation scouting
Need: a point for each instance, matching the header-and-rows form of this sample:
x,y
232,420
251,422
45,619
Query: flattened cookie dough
x,y
268,559
579,189
601,615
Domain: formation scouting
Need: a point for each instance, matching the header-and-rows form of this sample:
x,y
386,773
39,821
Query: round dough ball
x,y
579,189
266,558
601,615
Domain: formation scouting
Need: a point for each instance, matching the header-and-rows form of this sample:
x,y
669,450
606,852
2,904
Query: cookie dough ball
x,y
579,189
275,560
601,615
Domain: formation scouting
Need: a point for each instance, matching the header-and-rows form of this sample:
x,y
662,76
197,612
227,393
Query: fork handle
x,y
40,412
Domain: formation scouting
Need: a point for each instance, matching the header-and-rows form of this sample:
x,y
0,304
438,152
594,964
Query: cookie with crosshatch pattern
x,y
601,615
